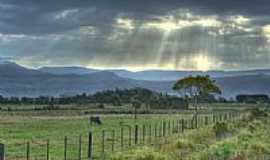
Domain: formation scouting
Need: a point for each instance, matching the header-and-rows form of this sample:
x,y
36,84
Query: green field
x,y
42,128
244,139
16,131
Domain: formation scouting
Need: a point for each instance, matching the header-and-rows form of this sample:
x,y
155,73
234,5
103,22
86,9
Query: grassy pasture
x,y
246,139
16,131
22,125
82,110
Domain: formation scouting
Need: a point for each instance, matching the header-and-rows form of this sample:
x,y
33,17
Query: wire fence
x,y
100,145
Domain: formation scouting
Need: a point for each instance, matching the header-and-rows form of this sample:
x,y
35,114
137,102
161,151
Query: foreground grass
x,y
247,139
16,131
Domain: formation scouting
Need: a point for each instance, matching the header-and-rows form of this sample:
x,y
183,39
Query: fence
x,y
99,145
2,152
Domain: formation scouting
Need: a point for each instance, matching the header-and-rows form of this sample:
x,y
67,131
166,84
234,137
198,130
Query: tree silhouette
x,y
194,87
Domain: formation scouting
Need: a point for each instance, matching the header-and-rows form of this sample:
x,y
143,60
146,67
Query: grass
x,y
15,131
79,110
248,139
37,127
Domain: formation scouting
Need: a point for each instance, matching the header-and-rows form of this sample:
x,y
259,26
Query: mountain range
x,y
16,80
153,75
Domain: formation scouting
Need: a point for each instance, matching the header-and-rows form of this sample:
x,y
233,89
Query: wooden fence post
x,y
130,135
80,148
136,134
113,139
143,134
90,145
173,127
2,151
150,134
103,144
200,122
65,148
169,127
28,151
122,138
206,120
48,150
177,126
196,122
183,125
155,131
160,130
192,122
164,128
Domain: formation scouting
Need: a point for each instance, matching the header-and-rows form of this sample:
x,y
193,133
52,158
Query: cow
x,y
95,120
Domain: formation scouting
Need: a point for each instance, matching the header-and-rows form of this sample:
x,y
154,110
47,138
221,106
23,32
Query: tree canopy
x,y
196,86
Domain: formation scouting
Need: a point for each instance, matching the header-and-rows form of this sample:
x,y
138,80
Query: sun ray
x,y
162,48
202,62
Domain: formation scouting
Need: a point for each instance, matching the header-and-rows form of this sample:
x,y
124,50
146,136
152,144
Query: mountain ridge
x,y
159,75
19,81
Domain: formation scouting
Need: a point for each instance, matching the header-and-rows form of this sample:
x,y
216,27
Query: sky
x,y
137,34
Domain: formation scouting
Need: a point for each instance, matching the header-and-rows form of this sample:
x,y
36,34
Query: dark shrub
x,y
259,113
221,130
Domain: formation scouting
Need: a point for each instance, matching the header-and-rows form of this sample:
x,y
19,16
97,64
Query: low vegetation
x,y
117,97
16,131
248,139
145,153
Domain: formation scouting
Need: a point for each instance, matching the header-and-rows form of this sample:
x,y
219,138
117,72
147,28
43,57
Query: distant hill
x,y
67,70
16,80
153,75
12,69
249,84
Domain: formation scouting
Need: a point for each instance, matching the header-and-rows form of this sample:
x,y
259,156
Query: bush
x,y
259,113
141,154
100,106
184,144
224,150
255,125
220,151
9,109
200,136
244,139
221,129
259,148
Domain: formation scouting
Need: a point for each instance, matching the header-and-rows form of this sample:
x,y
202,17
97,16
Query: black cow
x,y
95,120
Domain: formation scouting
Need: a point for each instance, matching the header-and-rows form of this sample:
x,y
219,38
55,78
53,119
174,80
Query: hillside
x,y
67,70
152,75
16,80
249,84
19,81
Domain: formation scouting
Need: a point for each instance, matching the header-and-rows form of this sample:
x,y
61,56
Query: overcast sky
x,y
137,34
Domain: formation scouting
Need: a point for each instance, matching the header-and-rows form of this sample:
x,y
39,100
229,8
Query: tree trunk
x,y
135,113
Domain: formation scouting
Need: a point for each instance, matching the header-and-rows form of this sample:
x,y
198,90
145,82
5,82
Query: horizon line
x,y
132,70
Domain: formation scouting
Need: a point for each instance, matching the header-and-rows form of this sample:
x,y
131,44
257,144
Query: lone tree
x,y
136,104
194,87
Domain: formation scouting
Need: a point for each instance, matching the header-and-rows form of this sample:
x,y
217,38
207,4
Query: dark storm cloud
x,y
120,33
33,16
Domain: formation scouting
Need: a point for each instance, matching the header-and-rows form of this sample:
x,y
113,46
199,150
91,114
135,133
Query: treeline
x,y
115,97
142,96
242,98
256,98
